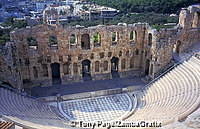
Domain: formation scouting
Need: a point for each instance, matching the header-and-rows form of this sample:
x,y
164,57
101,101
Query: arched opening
x,y
132,62
85,41
105,65
178,47
133,37
55,70
53,42
97,40
97,66
136,52
45,70
35,72
147,65
72,41
150,39
86,70
115,38
32,42
114,67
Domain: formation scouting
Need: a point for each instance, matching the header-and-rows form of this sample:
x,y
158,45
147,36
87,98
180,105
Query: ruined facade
x,y
49,55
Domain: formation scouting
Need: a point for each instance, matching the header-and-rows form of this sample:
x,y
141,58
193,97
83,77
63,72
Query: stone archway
x,y
55,71
178,47
86,70
114,67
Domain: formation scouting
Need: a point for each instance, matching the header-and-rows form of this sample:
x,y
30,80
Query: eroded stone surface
x,y
45,54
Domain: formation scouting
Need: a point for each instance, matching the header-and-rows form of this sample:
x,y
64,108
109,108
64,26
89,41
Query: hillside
x,y
157,6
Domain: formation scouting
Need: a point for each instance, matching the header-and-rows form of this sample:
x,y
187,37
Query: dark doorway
x,y
55,69
177,50
147,67
114,67
86,70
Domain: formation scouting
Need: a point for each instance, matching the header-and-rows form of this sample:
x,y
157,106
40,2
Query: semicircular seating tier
x,y
29,112
172,97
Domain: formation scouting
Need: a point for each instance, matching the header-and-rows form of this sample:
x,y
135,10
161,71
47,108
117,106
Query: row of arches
x,y
85,40
86,68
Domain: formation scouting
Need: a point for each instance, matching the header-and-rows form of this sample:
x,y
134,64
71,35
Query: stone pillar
x,y
49,71
92,67
119,65
109,68
61,72
80,70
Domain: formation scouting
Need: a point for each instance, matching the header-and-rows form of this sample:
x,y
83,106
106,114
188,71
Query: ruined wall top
x,y
194,8
190,17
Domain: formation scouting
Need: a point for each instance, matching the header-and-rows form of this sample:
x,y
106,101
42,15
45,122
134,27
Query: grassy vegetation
x,y
157,6
154,12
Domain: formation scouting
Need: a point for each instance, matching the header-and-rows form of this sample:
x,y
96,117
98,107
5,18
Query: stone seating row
x,y
172,97
13,105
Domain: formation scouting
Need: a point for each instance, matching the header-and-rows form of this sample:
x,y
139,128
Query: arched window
x,y
132,62
32,42
97,66
101,55
85,41
53,42
105,65
66,68
97,40
123,63
132,35
72,39
150,39
86,68
114,38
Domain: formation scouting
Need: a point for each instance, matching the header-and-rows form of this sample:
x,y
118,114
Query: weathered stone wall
x,y
189,26
124,49
40,48
9,72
